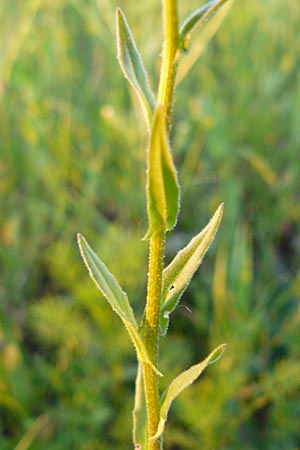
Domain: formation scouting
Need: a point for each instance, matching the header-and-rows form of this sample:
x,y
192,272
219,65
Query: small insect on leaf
x,y
197,19
116,297
162,184
178,274
180,383
132,66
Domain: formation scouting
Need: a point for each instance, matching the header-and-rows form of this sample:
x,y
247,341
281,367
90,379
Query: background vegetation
x,y
72,159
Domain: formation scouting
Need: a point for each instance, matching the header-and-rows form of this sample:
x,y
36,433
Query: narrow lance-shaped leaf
x,y
132,66
197,19
162,184
139,412
201,41
115,296
180,383
177,275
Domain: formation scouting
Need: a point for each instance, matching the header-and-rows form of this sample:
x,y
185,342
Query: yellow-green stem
x,y
169,58
157,241
156,255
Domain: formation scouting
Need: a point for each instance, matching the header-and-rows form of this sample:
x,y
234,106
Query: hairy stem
x,y
151,335
169,59
157,241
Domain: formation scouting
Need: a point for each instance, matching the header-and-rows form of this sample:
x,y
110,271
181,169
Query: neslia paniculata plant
x,y
165,286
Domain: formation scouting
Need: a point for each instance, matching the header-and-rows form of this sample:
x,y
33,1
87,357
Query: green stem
x,y
157,241
170,52
156,255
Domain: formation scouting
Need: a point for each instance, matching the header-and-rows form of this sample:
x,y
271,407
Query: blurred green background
x,y
72,158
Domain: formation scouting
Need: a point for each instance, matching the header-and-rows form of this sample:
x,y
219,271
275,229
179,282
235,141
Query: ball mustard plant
x,y
165,285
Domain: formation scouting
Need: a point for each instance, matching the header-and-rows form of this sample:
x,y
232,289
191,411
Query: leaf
x,y
197,19
132,66
177,275
139,412
162,184
184,380
115,296
201,42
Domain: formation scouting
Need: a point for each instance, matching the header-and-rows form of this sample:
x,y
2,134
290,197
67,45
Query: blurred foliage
x,y
72,159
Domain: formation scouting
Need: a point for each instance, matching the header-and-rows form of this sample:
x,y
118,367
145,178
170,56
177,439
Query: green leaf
x,y
162,184
197,19
139,412
184,380
115,296
178,274
201,41
132,66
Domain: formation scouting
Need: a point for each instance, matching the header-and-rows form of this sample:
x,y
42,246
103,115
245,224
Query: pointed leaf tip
x,y
178,274
132,66
180,383
197,19
116,297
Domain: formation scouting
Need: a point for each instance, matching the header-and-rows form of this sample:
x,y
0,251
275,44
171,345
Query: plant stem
x,y
169,60
157,241
156,254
